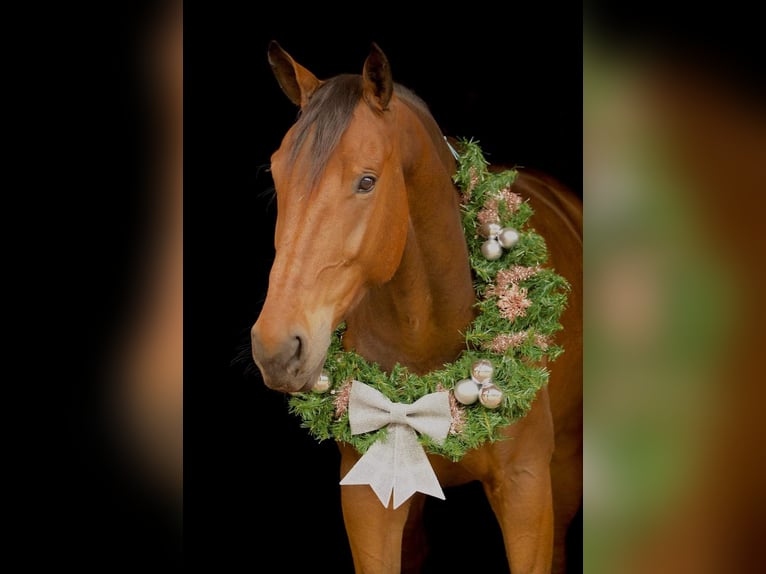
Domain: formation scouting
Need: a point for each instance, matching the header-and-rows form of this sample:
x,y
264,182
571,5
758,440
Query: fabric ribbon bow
x,y
397,463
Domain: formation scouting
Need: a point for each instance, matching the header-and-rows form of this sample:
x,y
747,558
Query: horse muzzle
x,y
285,357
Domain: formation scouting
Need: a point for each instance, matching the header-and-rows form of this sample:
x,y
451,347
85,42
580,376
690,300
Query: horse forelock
x,y
324,120
327,116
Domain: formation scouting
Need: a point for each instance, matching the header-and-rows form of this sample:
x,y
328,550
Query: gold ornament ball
x,y
466,391
508,237
491,250
323,383
482,371
489,229
490,396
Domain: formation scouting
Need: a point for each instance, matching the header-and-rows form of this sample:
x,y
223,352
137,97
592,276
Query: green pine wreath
x,y
519,304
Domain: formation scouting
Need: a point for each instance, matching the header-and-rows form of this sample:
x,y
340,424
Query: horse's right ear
x,y
295,80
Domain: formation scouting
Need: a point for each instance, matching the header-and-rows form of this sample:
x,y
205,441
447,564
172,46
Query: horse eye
x,y
366,184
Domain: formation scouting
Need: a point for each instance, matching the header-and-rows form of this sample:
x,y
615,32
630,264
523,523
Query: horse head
x,y
342,208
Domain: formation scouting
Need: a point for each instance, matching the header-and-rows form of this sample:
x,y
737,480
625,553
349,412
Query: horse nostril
x,y
294,358
299,347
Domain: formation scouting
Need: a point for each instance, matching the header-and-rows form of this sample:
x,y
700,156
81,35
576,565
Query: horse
x,y
369,232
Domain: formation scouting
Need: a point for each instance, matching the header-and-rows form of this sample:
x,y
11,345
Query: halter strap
x,y
452,149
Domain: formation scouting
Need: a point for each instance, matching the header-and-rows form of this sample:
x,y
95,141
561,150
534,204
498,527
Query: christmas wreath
x,y
495,380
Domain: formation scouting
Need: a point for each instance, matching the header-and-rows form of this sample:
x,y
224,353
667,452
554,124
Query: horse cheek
x,y
390,241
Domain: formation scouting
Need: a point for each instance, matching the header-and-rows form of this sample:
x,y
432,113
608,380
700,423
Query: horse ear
x,y
295,80
378,84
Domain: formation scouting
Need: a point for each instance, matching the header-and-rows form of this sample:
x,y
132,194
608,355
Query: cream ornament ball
x,y
508,237
491,250
490,396
466,391
323,383
482,371
489,230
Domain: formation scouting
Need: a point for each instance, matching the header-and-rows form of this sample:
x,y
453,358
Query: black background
x,y
258,488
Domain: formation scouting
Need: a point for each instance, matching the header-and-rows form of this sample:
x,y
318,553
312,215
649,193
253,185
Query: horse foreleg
x,y
414,542
374,531
523,504
518,487
566,480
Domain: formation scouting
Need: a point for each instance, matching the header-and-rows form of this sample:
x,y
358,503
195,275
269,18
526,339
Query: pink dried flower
x,y
542,341
341,399
457,423
513,302
473,181
504,341
507,277
489,213
512,200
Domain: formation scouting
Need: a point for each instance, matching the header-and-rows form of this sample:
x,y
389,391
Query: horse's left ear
x,y
378,84
295,80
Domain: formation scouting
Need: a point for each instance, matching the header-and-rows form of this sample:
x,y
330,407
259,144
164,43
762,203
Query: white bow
x,y
398,463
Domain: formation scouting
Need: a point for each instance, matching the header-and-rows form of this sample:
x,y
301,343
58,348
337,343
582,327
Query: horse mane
x,y
327,115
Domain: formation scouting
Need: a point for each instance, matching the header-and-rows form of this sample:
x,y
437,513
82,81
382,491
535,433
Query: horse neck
x,y
417,318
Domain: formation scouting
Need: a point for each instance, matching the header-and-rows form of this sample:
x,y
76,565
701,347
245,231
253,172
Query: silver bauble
x,y
489,229
482,371
491,249
323,383
490,396
508,237
466,391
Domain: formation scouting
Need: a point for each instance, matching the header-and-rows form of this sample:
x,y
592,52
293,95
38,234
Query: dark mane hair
x,y
327,115
324,119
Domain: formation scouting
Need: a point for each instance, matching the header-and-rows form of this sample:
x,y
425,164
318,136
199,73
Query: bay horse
x,y
369,232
